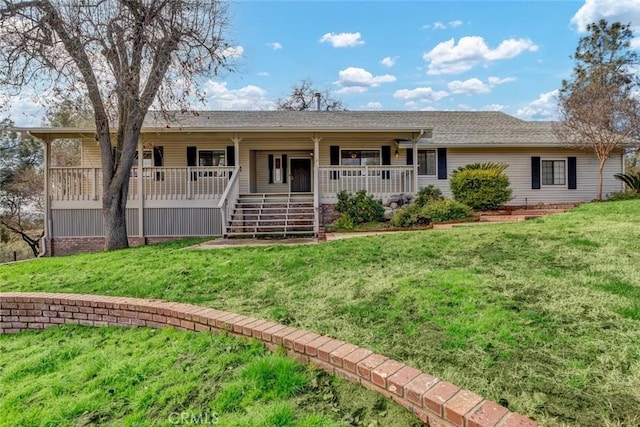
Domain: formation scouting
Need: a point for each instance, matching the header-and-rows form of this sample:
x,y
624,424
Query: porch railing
x,y
159,183
229,199
381,181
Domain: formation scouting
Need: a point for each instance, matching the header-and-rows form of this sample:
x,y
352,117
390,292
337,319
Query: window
x,y
426,162
211,158
553,172
277,169
147,162
360,157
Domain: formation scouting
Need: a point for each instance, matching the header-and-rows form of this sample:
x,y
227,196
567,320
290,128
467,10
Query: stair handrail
x,y
232,190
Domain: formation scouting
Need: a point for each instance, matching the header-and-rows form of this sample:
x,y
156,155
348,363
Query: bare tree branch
x,y
125,55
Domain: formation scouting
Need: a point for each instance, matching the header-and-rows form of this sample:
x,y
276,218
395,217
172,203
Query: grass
x,y
541,316
73,376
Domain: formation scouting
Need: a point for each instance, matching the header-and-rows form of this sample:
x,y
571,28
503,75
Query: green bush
x,y
343,223
360,207
623,195
445,210
428,194
409,215
480,186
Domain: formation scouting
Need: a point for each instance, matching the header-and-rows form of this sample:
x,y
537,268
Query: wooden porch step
x,y
271,215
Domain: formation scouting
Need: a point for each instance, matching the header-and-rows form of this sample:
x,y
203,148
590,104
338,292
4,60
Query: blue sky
x,y
508,56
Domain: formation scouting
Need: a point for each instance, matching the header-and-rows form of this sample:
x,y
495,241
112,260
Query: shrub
x,y
631,180
343,223
359,207
428,194
481,186
623,195
445,210
408,215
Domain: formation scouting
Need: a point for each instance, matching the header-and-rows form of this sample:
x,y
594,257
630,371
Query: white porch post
x,y
140,184
236,147
47,193
414,147
316,183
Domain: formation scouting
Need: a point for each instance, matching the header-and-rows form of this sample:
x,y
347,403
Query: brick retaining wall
x,y
436,402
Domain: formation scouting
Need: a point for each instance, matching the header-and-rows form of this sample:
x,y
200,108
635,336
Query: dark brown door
x,y
300,175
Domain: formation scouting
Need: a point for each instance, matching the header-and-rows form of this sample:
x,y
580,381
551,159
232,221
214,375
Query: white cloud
x,y
476,86
494,107
220,97
438,25
625,11
635,43
233,52
422,94
342,39
373,106
449,58
468,87
543,108
498,81
389,61
275,45
23,110
358,80
263,74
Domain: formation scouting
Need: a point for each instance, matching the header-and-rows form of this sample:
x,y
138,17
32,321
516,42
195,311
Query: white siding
x,y
519,172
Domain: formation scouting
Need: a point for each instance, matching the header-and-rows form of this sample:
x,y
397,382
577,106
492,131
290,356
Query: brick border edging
x,y
436,402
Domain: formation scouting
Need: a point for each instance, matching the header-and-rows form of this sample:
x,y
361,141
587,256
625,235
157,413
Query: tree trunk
x,y
600,170
114,210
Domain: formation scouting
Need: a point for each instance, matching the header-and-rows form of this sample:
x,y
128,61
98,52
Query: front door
x,y
300,175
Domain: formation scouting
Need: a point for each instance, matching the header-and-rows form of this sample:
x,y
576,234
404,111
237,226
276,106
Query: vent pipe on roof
x,y
317,95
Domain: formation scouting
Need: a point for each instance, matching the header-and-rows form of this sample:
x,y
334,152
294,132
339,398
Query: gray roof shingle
x,y
450,128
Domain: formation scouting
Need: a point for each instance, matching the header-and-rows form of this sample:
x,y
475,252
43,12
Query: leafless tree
x,y
125,55
303,97
68,113
598,109
21,191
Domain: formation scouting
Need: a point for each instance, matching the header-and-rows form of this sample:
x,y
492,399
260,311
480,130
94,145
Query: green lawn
x,y
541,316
76,376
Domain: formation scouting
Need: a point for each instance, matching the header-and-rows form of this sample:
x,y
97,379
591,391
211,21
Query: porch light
x,y
397,153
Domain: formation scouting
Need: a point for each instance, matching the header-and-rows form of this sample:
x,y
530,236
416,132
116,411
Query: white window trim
x,y
277,172
145,173
566,172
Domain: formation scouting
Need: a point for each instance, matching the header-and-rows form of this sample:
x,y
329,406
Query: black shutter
x,y
386,160
270,168
192,158
572,169
284,168
442,163
409,156
158,161
535,173
158,156
231,155
334,160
